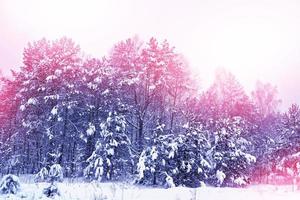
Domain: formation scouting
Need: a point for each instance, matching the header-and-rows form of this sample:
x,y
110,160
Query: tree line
x,y
138,114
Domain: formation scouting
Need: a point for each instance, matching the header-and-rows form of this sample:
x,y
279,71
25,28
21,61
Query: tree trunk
x,y
140,134
63,139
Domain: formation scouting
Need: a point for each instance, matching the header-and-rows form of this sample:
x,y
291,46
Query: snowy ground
x,y
117,191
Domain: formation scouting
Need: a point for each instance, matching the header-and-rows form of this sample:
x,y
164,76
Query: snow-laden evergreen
x,y
230,152
112,158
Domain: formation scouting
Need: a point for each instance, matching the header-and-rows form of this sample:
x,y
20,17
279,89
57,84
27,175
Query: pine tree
x,y
230,153
175,160
193,157
156,162
112,157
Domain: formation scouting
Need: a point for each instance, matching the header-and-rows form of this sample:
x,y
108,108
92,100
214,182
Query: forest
x,y
138,113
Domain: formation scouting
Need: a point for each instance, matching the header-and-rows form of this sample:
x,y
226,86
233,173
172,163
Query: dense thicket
x,y
137,113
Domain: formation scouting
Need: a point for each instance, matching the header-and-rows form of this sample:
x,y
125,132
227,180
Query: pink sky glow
x,y
255,39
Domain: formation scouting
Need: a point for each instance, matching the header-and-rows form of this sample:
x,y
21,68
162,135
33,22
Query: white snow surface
x,y
77,190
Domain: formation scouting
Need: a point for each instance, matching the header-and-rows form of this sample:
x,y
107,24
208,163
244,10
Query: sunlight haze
x,y
255,40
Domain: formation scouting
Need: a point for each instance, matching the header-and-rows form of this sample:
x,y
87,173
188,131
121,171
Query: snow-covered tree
x,y
153,81
291,123
230,152
47,79
193,157
156,162
112,157
175,160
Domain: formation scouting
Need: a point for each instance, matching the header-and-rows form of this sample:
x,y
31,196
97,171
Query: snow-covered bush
x,y
10,184
51,191
56,173
42,175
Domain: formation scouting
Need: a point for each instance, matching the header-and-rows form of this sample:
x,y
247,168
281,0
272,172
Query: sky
x,y
255,39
